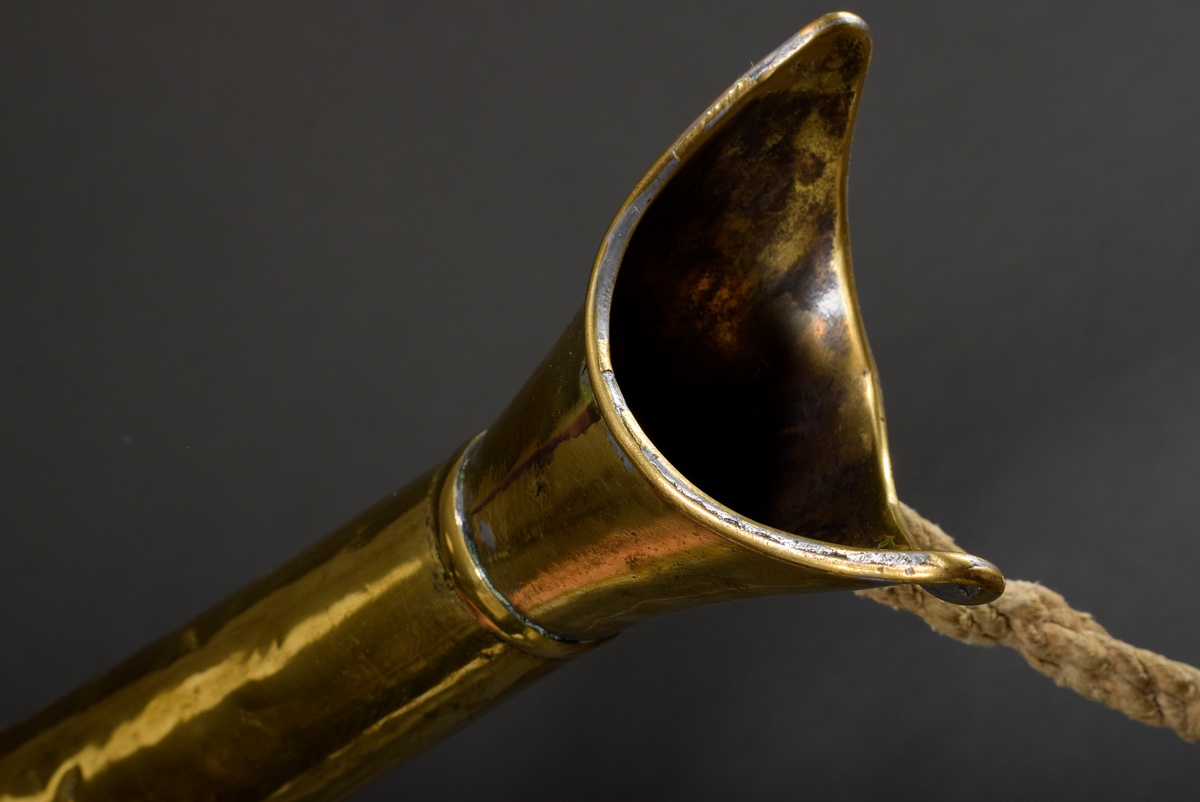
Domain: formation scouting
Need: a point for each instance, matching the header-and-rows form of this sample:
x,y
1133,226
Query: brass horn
x,y
708,428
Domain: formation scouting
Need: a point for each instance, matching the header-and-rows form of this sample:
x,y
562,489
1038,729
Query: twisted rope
x,y
1064,644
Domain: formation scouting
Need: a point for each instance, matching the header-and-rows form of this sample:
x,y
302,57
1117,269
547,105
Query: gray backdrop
x,y
261,264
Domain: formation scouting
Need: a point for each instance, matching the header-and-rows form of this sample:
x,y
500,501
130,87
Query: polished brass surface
x,y
340,664
709,427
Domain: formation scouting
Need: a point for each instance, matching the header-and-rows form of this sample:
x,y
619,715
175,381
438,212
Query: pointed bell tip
x,y
844,18
841,23
842,26
838,43
980,582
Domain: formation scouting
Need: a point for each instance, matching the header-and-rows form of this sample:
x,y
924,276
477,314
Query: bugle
x,y
708,428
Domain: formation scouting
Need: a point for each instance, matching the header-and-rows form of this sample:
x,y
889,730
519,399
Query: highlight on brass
x,y
709,427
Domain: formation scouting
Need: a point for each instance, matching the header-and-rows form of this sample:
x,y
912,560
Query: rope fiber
x,y
1063,643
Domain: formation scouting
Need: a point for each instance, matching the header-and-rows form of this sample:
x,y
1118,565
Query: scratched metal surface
x,y
258,268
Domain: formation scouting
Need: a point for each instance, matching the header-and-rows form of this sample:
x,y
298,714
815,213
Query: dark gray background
x,y
261,264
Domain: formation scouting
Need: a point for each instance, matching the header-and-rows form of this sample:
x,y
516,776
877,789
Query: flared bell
x,y
711,426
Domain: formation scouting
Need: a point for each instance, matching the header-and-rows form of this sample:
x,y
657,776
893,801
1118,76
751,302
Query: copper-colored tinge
x,y
708,428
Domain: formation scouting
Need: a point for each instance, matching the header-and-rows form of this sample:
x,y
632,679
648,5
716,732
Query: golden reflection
x,y
204,689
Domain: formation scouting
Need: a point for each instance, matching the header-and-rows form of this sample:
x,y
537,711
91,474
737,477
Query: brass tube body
x,y
734,370
345,661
